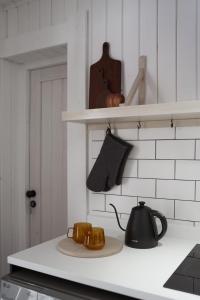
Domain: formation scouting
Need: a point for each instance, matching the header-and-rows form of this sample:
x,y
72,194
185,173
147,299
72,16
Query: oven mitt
x,y
109,166
123,163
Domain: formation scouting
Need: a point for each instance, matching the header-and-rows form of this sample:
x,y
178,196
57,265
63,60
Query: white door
x,y
48,157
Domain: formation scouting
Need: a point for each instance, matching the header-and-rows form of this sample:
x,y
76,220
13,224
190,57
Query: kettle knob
x,y
142,203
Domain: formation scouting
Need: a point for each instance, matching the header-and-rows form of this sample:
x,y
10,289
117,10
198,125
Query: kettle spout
x,y
117,217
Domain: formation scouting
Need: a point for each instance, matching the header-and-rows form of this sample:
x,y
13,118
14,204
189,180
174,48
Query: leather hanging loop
x,y
108,130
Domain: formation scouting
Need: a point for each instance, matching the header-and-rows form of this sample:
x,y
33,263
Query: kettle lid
x,y
141,206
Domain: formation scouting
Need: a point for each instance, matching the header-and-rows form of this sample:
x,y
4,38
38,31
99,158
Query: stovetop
x,y
186,278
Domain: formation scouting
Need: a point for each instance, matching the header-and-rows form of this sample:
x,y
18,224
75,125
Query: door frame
x,y
77,72
77,82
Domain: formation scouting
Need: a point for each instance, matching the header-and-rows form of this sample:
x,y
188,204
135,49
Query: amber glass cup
x,y
80,230
95,239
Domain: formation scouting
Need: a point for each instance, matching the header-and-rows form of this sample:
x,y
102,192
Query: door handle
x,y
31,194
33,203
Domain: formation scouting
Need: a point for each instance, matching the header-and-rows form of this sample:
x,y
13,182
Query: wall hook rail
x,y
139,125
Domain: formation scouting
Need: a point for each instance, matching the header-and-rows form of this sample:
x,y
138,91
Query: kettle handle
x,y
163,221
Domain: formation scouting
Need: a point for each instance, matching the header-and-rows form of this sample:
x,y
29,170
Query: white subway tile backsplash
x,y
123,133
98,134
156,133
176,189
116,190
180,223
131,168
187,210
125,217
96,201
138,187
95,148
163,169
192,132
164,206
197,149
103,214
198,190
188,170
176,149
143,150
91,163
123,204
127,134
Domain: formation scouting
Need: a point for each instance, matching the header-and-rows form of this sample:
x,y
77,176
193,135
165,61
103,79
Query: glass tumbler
x,y
95,239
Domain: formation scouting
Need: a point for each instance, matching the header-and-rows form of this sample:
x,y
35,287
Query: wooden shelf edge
x,y
136,113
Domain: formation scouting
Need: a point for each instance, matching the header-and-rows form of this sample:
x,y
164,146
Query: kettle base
x,y
141,245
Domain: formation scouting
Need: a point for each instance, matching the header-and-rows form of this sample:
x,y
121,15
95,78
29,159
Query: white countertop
x,y
137,273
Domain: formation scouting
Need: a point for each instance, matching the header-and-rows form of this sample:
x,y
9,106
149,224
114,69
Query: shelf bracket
x,y
139,83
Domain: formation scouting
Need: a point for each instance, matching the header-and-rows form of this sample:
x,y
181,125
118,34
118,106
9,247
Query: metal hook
x,y
139,125
108,131
172,123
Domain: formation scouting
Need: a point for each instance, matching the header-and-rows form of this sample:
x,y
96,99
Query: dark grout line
x,y
174,209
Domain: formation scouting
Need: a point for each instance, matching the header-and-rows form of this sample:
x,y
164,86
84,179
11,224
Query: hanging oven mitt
x,y
109,166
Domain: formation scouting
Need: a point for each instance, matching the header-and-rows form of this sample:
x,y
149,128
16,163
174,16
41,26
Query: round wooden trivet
x,y
69,247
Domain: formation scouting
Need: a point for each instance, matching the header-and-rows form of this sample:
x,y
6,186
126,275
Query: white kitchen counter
x,y
132,272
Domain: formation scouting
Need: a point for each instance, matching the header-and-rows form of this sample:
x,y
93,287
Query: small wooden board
x,y
69,247
105,77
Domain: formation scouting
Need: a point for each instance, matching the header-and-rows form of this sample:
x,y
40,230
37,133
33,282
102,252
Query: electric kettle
x,y
141,230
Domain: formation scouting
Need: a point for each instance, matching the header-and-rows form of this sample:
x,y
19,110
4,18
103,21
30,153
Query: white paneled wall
x,y
166,175
166,31
30,15
166,50
13,224
187,49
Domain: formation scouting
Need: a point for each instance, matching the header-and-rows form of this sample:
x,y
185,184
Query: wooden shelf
x,y
151,112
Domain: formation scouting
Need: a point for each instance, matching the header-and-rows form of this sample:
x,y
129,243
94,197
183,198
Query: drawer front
x,y
11,291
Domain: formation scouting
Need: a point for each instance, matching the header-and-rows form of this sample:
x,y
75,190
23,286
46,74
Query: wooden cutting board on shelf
x,y
69,247
105,71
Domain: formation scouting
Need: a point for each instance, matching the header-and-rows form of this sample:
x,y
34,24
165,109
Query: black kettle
x,y
141,230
